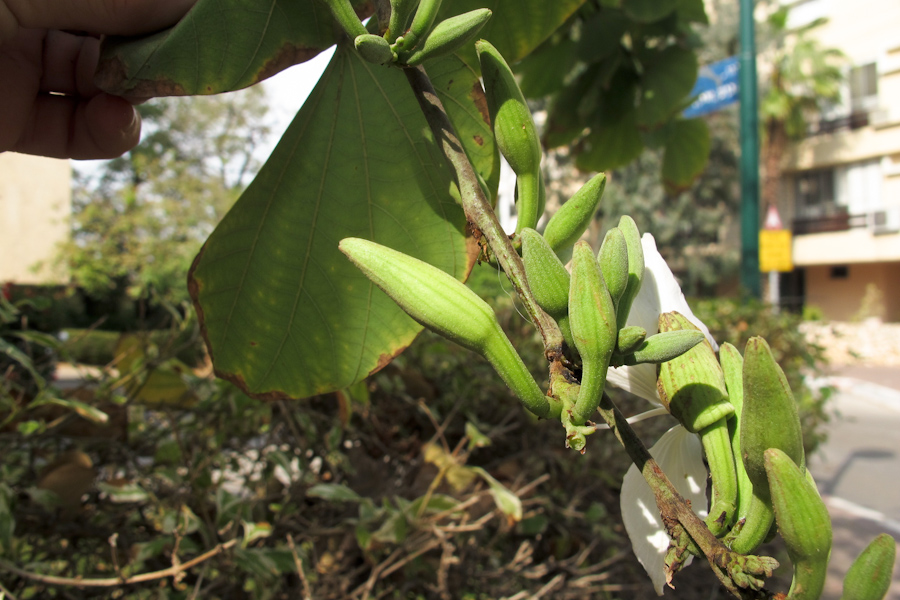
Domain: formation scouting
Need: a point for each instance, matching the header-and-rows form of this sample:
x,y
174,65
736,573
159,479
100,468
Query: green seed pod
x,y
663,347
401,10
449,35
692,386
374,49
630,338
420,26
613,259
635,268
514,131
869,577
593,320
548,280
720,458
344,14
445,305
769,415
768,420
573,217
803,522
733,366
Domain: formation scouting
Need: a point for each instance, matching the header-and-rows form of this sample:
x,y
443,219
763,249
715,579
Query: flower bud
x,y
420,26
635,268
803,522
449,35
691,386
575,215
445,305
401,10
374,49
548,279
663,347
514,131
769,415
733,366
613,259
630,339
869,577
593,321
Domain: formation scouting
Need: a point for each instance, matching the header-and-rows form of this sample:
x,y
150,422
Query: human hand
x,y
49,104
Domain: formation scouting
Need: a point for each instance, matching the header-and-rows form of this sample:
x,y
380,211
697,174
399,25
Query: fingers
x,y
68,64
103,126
119,17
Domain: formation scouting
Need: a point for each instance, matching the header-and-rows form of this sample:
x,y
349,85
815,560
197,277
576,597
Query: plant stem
x,y
478,210
675,510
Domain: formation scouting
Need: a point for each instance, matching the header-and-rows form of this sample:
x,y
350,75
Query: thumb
x,y
114,17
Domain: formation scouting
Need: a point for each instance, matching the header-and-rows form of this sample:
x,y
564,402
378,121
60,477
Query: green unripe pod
x,y
514,131
768,420
374,49
733,367
635,268
420,26
572,219
630,338
613,259
449,35
344,14
593,321
548,280
692,386
663,347
401,10
769,416
445,305
803,522
869,577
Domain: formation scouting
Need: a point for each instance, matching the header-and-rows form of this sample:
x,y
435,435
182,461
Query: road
x,y
858,467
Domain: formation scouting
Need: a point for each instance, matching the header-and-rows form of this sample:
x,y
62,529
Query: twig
x,y
113,542
478,210
114,581
301,573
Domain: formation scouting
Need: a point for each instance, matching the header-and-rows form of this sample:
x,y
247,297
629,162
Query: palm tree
x,y
804,77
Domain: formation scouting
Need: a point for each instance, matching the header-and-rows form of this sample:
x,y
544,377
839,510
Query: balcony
x,y
837,218
855,120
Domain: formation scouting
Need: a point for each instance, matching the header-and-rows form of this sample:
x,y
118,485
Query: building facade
x,y
842,184
35,212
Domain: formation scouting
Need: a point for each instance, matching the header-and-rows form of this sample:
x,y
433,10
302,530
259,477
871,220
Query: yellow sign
x,y
775,250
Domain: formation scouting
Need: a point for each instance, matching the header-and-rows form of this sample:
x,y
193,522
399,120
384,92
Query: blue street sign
x,y
717,86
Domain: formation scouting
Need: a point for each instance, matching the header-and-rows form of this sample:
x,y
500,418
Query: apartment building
x,y
842,184
35,212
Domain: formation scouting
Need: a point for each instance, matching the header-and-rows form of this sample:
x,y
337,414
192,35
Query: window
x,y
814,191
863,81
840,272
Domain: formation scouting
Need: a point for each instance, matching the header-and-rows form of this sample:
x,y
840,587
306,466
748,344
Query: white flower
x,y
679,455
678,452
659,293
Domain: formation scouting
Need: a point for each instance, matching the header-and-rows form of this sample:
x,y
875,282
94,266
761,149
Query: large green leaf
x,y
668,78
285,314
647,11
686,153
517,26
220,45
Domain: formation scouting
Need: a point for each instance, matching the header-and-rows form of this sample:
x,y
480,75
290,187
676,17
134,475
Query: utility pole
x,y
750,277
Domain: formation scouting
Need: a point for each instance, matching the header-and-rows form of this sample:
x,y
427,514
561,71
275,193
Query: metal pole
x,y
750,276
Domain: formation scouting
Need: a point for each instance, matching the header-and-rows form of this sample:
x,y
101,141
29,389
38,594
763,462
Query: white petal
x,y
640,380
680,456
664,293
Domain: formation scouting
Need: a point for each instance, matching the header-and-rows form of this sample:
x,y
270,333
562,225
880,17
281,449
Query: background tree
x,y
804,76
140,219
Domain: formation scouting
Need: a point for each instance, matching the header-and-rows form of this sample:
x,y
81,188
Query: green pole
x,y
750,279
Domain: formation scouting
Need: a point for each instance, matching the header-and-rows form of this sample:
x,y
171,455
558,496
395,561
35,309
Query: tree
x,y
803,78
139,221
